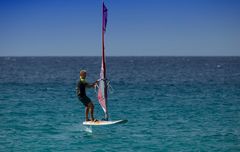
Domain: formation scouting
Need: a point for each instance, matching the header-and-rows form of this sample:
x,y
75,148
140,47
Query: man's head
x,y
83,74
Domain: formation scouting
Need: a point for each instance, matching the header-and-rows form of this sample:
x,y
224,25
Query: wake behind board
x,y
101,123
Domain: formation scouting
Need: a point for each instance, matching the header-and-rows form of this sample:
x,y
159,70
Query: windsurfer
x,y
81,93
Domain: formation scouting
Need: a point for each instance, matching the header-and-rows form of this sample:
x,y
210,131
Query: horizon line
x,y
122,56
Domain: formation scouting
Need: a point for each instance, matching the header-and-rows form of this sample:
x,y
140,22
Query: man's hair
x,y
83,71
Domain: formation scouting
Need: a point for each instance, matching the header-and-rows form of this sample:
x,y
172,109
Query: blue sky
x,y
135,28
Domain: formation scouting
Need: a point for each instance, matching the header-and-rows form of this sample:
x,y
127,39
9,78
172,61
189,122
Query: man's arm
x,y
78,88
91,85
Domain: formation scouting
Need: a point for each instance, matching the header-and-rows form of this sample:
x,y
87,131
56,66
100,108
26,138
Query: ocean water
x,y
171,103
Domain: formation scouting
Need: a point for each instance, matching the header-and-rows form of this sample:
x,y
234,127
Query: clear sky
x,y
135,27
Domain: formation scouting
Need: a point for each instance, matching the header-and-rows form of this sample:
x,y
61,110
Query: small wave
x,y
80,127
88,129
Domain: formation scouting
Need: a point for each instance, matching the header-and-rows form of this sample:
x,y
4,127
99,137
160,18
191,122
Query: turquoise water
x,y
171,103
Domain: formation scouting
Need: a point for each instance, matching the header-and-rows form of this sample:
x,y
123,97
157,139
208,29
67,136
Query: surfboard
x,y
101,123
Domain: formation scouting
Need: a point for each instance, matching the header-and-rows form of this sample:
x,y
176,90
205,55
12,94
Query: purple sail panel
x,y
104,26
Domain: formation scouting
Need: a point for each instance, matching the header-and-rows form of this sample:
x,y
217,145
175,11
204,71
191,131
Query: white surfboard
x,y
101,123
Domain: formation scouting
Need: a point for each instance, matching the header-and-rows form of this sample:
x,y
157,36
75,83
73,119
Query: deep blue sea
x,y
171,103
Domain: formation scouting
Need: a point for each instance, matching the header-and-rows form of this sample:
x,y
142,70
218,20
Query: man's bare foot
x,y
94,120
87,119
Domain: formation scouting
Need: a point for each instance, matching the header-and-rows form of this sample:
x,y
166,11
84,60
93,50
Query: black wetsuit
x,y
81,92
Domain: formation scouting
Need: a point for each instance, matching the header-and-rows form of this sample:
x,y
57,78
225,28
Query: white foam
x,y
87,129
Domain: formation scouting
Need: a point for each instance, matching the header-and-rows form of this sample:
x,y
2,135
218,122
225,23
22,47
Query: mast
x,y
103,57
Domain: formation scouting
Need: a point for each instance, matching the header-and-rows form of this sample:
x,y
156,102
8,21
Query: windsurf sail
x,y
102,83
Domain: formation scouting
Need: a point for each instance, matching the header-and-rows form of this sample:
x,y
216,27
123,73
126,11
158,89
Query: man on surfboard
x,y
81,93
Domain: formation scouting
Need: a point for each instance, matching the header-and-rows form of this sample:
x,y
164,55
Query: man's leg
x,y
86,113
91,106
